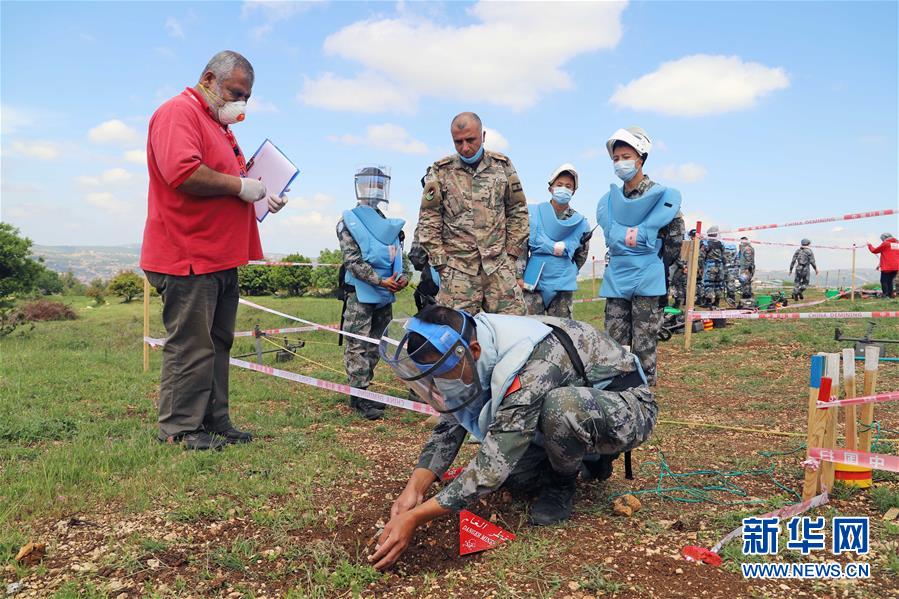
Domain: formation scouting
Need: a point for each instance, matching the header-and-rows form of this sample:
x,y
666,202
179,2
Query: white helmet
x,y
713,231
565,168
635,137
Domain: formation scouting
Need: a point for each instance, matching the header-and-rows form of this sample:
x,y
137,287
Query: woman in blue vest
x,y
557,248
643,229
372,247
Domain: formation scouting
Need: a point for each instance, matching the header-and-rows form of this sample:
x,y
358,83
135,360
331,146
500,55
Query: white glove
x,y
276,203
559,248
251,190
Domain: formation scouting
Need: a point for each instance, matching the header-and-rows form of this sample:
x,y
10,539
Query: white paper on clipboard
x,y
274,169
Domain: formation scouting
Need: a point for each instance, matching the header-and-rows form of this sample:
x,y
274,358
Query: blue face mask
x,y
626,169
474,159
562,195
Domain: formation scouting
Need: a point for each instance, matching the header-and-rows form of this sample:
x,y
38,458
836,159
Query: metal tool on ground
x,y
282,354
866,341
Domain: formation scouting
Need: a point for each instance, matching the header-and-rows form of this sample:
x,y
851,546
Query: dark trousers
x,y
199,313
886,282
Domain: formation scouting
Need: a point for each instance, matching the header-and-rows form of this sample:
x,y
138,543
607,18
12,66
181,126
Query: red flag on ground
x,y
477,534
695,553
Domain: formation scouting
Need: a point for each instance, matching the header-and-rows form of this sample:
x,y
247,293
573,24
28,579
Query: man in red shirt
x,y
201,226
889,262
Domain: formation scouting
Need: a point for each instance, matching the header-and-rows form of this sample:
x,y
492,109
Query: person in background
x,y
201,225
473,223
372,274
558,245
889,262
643,230
713,265
746,266
678,274
803,259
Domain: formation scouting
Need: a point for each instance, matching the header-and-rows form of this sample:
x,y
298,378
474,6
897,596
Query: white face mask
x,y
229,112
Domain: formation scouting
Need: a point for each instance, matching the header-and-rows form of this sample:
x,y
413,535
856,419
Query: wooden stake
x,y
811,484
872,360
832,371
146,324
852,278
849,412
593,278
691,285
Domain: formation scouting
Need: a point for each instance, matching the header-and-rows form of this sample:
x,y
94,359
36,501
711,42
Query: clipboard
x,y
275,169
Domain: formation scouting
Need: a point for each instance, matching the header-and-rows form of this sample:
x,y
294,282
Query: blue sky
x,y
760,112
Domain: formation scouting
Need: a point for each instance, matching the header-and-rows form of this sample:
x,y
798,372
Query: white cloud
x,y
113,176
837,229
114,132
174,29
689,172
317,200
369,92
14,119
108,203
86,37
495,140
42,150
386,137
699,85
486,61
274,10
136,156
591,153
259,104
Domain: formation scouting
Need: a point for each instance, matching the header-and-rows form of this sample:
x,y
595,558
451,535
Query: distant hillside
x,y
89,262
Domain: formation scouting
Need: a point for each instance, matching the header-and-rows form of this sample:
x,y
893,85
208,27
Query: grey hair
x,y
225,62
460,121
885,236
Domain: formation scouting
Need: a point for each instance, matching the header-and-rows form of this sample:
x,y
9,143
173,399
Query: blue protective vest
x,y
553,273
631,229
378,238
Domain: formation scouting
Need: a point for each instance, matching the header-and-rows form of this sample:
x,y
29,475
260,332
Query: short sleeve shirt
x,y
185,233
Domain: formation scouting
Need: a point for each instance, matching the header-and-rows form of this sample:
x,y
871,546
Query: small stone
x,y
31,553
783,587
154,564
573,585
679,571
170,537
410,590
13,588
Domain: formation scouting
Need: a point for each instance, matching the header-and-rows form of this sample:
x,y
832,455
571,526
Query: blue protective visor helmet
x,y
435,361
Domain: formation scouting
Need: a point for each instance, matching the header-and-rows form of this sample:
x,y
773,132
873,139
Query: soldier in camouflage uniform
x,y
678,272
473,224
803,258
634,320
549,418
713,266
371,317
746,265
563,184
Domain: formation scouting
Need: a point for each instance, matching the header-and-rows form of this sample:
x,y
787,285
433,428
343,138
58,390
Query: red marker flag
x,y
477,534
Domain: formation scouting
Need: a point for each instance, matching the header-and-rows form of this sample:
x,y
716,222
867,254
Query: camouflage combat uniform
x,y
563,303
746,265
573,420
360,357
803,260
713,265
678,274
636,322
473,224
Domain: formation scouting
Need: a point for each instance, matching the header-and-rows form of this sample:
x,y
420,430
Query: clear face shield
x,y
435,361
373,186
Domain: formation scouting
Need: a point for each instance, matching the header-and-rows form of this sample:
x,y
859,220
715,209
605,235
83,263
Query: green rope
x,y
706,493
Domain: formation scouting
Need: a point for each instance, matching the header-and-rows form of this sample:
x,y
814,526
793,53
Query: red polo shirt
x,y
187,233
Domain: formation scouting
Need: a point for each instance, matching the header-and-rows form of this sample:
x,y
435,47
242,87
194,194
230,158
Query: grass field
x,y
291,514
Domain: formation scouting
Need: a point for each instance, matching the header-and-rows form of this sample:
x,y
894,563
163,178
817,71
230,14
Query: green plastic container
x,y
675,311
763,301
831,293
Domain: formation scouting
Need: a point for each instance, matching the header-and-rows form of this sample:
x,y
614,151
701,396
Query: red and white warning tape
x,y
405,404
813,221
275,263
857,401
588,299
735,314
315,324
159,342
791,245
785,512
875,461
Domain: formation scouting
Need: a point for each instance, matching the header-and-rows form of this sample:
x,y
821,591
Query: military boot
x,y
370,410
553,505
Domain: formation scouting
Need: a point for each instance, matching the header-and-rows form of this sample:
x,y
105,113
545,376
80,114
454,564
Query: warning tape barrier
x,y
154,341
857,401
875,461
813,221
791,245
588,299
276,263
397,402
789,316
783,513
